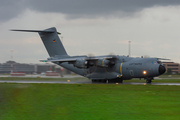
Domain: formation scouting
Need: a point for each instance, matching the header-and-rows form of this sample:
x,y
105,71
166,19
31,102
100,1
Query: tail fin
x,y
51,41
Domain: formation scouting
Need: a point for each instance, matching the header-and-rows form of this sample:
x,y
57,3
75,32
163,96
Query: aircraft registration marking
x,y
135,64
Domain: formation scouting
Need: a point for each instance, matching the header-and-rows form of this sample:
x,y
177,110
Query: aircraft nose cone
x,y
162,69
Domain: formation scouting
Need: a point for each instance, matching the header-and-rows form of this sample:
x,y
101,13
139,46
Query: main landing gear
x,y
99,81
118,80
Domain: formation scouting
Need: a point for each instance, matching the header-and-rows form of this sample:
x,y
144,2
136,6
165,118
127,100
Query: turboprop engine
x,y
80,63
102,63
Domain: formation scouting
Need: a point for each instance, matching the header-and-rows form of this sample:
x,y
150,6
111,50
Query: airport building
x,y
172,67
5,68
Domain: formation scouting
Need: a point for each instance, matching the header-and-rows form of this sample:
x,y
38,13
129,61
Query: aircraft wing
x,y
83,61
60,60
163,59
73,59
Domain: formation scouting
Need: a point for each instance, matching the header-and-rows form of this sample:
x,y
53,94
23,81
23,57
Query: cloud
x,y
165,46
10,9
79,8
95,6
147,30
123,42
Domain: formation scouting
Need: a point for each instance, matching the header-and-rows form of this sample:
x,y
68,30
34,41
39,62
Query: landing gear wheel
x,y
115,81
119,81
111,81
99,81
104,81
94,81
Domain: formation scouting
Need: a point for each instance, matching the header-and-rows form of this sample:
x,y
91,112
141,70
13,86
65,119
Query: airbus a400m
x,y
108,68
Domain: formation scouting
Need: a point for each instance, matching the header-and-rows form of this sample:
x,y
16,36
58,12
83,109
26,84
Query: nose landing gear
x,y
149,80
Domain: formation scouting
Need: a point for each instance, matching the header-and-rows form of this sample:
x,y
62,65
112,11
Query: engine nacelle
x,y
80,63
102,63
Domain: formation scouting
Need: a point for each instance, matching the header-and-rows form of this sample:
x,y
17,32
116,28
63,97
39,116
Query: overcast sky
x,y
96,27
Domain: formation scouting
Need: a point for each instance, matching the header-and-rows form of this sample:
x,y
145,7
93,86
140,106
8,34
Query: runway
x,y
82,82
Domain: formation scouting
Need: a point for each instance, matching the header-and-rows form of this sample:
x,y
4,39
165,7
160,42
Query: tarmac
x,y
82,82
73,82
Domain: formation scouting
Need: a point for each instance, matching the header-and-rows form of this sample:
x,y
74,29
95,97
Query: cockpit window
x,y
159,62
156,62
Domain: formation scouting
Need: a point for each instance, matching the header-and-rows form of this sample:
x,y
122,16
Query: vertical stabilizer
x,y
51,41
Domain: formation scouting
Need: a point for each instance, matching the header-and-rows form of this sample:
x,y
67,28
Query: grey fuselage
x,y
125,68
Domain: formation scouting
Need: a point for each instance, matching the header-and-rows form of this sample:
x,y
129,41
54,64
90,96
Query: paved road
x,y
80,82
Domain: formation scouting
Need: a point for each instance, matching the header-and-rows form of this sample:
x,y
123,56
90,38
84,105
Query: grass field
x,y
89,102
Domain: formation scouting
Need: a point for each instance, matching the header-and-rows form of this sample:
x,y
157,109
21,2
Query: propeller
x,y
90,63
113,59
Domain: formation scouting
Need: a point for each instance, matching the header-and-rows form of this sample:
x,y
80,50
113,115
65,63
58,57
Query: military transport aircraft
x,y
107,68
